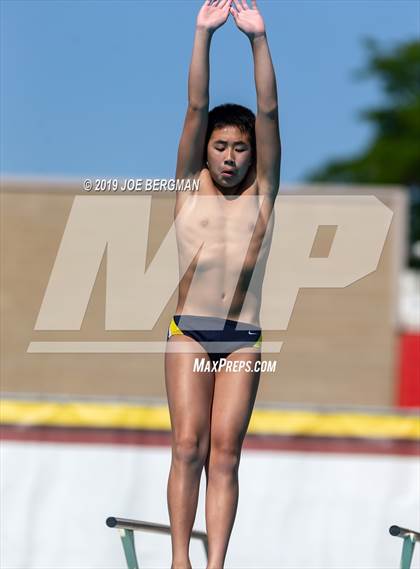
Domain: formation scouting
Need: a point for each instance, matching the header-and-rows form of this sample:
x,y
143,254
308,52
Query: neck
x,y
232,191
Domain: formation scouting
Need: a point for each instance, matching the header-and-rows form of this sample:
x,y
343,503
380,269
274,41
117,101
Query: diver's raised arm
x,y
251,23
191,145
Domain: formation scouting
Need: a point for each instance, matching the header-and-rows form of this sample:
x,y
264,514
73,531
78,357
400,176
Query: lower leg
x,y
182,494
221,506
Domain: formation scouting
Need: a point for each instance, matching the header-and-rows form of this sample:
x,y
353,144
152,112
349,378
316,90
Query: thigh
x,y
189,392
233,401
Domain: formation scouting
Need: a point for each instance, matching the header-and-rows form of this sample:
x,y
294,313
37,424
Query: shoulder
x,y
200,184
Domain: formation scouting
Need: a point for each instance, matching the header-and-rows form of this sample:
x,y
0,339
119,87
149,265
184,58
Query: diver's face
x,y
229,156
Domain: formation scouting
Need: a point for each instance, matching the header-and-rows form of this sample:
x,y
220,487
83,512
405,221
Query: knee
x,y
189,450
225,458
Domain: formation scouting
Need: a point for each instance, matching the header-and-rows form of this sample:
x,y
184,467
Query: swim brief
x,y
219,337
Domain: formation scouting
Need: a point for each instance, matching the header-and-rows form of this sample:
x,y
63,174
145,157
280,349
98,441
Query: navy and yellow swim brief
x,y
219,337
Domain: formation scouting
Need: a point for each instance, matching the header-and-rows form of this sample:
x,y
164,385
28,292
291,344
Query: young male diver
x,y
235,155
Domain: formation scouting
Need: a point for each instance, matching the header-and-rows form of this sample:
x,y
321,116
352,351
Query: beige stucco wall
x,y
340,346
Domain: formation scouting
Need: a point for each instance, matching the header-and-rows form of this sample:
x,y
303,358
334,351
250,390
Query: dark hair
x,y
230,114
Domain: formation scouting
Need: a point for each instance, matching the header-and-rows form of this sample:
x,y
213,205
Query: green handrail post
x,y
127,538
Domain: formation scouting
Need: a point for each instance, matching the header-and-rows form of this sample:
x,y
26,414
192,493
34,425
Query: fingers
x,y
254,4
244,4
238,7
217,3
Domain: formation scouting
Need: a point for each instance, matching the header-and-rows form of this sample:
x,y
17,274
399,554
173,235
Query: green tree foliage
x,y
392,155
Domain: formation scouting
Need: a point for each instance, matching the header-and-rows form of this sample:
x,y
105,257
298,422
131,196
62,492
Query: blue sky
x,y
98,88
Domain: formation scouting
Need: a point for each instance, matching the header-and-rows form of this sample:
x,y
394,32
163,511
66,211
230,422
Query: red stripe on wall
x,y
252,442
409,373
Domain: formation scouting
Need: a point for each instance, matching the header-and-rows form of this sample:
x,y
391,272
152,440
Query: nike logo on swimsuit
x,y
253,333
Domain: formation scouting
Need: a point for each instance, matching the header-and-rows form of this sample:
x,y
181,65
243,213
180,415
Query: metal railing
x,y
127,527
410,537
126,530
